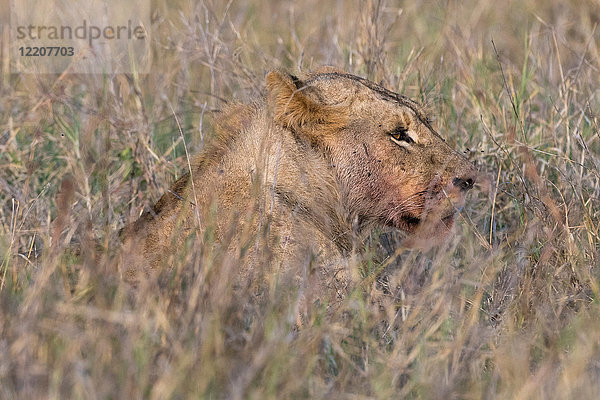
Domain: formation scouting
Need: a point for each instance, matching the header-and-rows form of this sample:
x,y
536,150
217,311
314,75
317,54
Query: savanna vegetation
x,y
507,308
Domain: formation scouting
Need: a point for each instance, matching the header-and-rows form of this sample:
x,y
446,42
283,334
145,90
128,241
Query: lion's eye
x,y
401,135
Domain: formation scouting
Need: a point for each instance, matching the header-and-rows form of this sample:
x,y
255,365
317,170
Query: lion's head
x,y
391,164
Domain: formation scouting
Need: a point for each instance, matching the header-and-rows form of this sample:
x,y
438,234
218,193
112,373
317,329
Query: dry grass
x,y
507,309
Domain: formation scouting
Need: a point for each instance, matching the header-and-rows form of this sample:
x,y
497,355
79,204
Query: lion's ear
x,y
297,105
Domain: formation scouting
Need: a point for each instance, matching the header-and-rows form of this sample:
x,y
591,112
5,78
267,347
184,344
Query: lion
x,y
302,176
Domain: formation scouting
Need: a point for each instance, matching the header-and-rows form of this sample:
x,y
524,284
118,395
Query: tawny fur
x,y
307,173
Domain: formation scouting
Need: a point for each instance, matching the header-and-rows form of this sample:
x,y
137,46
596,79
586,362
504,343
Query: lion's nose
x,y
463,184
